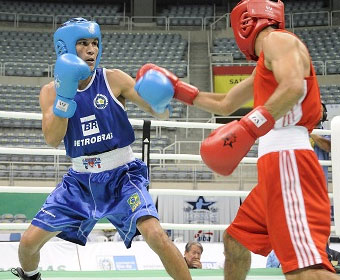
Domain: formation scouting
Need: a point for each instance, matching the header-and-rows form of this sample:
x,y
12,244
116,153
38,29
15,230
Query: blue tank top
x,y
100,123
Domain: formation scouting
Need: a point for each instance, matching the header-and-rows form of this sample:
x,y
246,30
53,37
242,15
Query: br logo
x,y
89,125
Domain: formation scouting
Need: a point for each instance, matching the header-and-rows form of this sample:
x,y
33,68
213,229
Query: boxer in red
x,y
288,210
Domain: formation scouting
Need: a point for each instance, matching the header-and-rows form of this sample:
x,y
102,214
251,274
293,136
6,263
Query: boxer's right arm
x,y
225,104
53,127
68,71
225,147
56,98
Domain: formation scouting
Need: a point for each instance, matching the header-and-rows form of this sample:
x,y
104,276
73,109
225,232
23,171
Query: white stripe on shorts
x,y
295,211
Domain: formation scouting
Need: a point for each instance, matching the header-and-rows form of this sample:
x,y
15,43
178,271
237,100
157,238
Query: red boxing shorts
x,y
288,211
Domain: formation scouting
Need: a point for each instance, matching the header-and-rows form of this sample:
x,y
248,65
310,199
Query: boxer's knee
x,y
233,249
33,239
152,232
29,243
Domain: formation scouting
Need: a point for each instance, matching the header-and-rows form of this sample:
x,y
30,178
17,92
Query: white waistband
x,y
104,161
285,138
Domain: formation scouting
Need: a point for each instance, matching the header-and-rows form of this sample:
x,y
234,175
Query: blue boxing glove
x,y
68,71
156,89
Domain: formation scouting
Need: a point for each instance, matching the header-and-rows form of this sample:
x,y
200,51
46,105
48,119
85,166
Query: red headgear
x,y
249,17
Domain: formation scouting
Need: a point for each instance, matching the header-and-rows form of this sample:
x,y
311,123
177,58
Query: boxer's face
x,y
87,50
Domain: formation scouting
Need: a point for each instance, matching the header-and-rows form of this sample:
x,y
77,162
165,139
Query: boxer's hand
x,y
156,89
225,147
183,91
68,70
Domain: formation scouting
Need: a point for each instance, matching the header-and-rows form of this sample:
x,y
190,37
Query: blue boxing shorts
x,y
82,198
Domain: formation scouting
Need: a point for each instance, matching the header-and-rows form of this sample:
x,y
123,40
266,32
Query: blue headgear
x,y
66,36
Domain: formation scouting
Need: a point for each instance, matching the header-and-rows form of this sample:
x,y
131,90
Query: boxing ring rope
x,y
156,123
98,226
335,163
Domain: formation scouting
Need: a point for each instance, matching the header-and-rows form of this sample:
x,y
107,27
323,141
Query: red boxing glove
x,y
183,91
225,147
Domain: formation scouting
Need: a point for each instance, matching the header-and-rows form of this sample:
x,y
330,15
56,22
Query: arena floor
x,y
255,274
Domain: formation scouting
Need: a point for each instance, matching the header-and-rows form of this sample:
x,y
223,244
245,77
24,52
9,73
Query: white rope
x,y
102,226
37,116
26,151
22,189
188,157
107,226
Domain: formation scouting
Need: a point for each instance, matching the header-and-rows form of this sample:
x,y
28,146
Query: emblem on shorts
x,y
134,201
229,139
92,162
100,101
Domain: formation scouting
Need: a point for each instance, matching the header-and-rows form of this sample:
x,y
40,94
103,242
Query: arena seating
x,y
330,94
323,44
181,173
131,50
186,15
32,53
51,12
293,6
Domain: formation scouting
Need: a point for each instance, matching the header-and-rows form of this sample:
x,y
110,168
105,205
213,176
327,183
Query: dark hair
x,y
191,243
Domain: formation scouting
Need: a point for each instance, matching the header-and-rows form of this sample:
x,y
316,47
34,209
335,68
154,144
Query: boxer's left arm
x,y
122,85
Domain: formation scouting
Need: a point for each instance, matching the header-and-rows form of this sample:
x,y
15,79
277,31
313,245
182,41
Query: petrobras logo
x,y
92,140
91,28
89,125
100,101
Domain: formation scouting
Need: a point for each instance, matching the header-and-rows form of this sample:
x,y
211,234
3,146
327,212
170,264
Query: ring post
x,y
335,150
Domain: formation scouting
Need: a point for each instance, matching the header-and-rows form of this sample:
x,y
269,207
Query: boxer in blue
x,y
84,106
